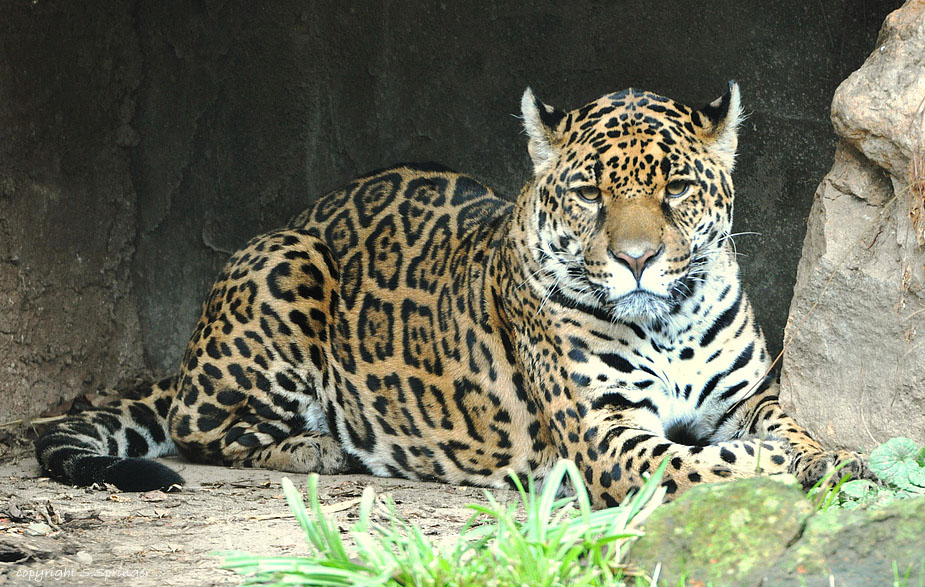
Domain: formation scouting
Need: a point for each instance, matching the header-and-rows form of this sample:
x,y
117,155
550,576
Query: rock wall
x,y
854,372
68,319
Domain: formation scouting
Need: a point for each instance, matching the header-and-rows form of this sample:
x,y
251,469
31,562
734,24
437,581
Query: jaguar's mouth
x,y
638,304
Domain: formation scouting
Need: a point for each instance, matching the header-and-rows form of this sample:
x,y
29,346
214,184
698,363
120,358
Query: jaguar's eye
x,y
677,188
588,193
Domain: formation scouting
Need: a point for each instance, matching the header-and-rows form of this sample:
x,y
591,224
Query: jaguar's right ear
x,y
540,122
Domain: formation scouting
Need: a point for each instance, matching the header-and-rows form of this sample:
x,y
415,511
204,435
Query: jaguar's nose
x,y
638,264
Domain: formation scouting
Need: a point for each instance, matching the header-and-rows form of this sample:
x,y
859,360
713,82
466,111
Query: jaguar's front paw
x,y
811,468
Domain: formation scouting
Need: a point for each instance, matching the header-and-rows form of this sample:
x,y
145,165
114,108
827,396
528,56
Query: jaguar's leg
x,y
615,451
762,416
619,459
253,375
305,452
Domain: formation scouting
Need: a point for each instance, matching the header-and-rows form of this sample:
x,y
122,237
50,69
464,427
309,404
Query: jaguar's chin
x,y
641,306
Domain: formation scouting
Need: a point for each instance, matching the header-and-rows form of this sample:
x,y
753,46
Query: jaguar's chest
x,y
662,378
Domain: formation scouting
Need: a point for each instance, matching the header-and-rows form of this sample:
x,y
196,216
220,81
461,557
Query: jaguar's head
x,y
632,198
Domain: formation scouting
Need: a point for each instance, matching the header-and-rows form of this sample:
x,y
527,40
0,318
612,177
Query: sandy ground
x,y
54,534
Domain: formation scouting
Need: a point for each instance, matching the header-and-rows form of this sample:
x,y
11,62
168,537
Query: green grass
x,y
903,580
554,541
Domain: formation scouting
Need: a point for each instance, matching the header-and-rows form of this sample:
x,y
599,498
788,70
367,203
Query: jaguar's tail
x,y
114,444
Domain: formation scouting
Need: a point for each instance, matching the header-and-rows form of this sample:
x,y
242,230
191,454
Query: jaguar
x,y
414,323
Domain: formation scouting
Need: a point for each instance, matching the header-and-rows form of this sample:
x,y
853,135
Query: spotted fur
x,y
414,324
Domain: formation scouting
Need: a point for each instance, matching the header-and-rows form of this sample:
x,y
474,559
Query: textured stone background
x,y
141,142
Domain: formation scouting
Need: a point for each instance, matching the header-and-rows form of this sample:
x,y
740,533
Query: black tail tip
x,y
136,474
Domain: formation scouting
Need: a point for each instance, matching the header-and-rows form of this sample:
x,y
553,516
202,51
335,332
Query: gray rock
x,y
855,362
878,108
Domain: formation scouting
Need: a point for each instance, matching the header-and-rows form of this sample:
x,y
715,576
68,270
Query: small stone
x,y
38,529
83,557
153,496
126,549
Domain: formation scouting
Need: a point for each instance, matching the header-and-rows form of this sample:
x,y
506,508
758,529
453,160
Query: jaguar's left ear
x,y
721,119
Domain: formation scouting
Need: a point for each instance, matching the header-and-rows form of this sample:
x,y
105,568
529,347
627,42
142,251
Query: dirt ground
x,y
54,534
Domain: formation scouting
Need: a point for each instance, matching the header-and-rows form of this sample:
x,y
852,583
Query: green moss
x,y
723,532
761,531
857,547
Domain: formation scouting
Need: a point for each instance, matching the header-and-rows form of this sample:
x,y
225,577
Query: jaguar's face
x,y
632,197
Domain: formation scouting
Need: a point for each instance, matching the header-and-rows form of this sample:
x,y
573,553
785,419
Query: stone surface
x,y
879,108
854,368
723,533
141,142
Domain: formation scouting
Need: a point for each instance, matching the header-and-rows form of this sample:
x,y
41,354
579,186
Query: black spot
x,y
581,380
145,417
617,362
660,449
314,292
263,384
242,348
205,423
183,427
212,349
273,430
285,382
616,473
212,371
137,445
240,378
229,397
724,320
398,453
744,357
621,402
301,320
